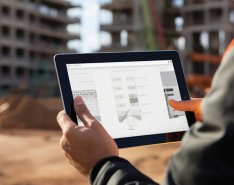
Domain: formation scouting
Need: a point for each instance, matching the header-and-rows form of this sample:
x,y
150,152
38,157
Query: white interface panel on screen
x,y
129,98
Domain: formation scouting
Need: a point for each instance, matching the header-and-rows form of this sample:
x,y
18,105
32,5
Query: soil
x,y
30,153
28,112
34,157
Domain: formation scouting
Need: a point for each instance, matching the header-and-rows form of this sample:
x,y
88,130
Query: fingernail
x,y
78,101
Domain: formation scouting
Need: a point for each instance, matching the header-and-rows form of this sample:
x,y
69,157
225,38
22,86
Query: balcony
x,y
15,62
191,2
204,27
43,65
117,47
119,25
9,81
48,47
53,32
52,13
63,3
60,19
201,5
119,5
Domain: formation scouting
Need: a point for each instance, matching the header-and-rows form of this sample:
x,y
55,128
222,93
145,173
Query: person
x,y
205,156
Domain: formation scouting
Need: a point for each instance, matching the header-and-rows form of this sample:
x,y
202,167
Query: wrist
x,y
94,171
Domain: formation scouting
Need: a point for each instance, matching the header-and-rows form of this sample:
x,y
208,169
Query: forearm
x,y
205,156
115,170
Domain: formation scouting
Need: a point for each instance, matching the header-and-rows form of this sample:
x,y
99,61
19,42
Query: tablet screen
x,y
129,98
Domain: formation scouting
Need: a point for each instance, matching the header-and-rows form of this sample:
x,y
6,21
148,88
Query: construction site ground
x,y
30,153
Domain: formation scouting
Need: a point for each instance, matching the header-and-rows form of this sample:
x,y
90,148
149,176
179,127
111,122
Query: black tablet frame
x,y
61,60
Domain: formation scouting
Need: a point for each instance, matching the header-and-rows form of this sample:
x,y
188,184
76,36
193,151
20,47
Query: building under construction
x,y
208,28
31,32
205,25
140,25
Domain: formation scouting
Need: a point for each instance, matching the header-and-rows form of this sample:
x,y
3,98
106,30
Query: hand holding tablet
x,y
127,93
80,141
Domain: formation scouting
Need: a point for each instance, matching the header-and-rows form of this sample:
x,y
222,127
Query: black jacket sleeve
x,y
118,171
206,156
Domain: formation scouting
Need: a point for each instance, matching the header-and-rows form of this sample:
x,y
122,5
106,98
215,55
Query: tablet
x,y
127,93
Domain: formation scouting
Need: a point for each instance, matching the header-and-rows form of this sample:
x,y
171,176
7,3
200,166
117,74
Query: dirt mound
x,y
28,112
33,159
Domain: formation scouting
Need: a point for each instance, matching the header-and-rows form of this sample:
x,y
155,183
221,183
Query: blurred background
x,y
33,31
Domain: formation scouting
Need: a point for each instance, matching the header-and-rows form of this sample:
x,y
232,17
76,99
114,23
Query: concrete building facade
x,y
148,24
208,28
126,21
31,32
205,27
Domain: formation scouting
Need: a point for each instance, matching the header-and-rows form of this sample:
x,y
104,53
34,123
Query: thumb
x,y
65,122
189,105
83,113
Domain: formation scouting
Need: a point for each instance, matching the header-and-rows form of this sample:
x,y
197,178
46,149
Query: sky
x,y
91,16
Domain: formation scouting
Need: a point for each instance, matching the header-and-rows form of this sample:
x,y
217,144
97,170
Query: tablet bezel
x,y
61,60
